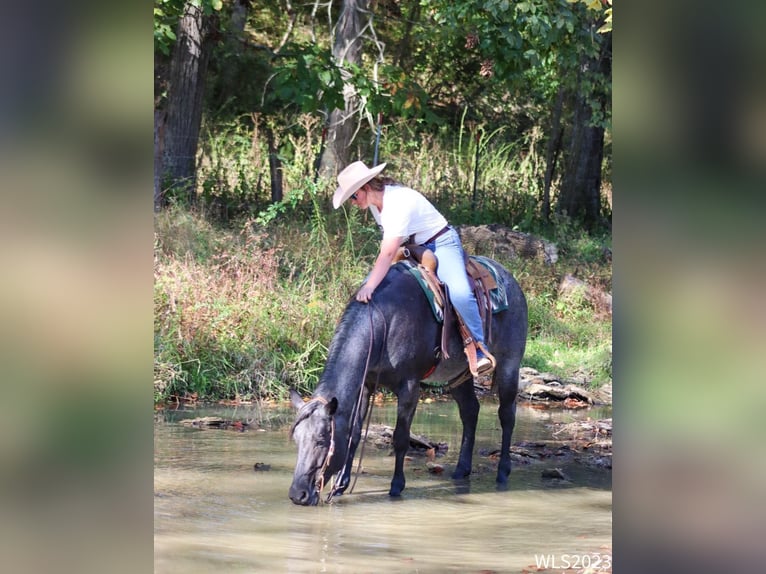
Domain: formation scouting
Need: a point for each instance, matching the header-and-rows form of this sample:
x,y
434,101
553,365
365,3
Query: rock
x,y
604,394
601,301
496,240
555,473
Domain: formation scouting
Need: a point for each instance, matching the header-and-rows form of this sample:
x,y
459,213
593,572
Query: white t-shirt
x,y
406,212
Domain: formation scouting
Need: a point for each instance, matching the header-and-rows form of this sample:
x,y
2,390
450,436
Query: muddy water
x,y
215,512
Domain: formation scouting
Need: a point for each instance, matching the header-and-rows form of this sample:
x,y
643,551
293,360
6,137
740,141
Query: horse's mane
x,y
352,332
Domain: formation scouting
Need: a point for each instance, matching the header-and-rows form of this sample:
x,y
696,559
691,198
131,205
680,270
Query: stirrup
x,y
486,365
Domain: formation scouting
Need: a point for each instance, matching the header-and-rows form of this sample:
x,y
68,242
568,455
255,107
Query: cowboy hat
x,y
351,179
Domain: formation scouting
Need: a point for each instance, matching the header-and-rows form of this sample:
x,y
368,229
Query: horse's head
x,y
314,433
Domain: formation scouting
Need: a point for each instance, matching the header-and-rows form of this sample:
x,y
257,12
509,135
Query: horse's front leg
x,y
507,389
407,402
468,406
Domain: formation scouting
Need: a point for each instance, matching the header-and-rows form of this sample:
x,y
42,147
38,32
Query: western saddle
x,y
482,282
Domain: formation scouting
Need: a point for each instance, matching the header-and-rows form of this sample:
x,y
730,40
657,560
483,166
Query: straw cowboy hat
x,y
351,179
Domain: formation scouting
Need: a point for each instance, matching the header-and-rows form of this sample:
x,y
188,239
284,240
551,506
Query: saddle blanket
x,y
498,297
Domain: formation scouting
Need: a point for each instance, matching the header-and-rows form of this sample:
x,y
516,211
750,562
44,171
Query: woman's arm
x,y
388,248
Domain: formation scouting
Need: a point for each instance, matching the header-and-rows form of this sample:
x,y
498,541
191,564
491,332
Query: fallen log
x,y
215,423
542,392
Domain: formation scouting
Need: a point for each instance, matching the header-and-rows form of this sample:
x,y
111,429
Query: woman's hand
x,y
365,293
388,248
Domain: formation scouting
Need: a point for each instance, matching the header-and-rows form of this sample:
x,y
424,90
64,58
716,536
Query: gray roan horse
x,y
392,342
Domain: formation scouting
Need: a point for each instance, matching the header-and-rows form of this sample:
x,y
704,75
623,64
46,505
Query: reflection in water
x,y
214,511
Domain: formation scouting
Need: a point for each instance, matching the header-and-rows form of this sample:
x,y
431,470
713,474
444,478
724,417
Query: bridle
x,y
320,481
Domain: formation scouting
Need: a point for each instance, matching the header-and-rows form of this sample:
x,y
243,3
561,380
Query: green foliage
x,y
229,181
501,51
601,7
166,16
507,61
304,77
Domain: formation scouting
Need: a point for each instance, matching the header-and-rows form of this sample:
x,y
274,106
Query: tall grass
x,y
246,304
242,311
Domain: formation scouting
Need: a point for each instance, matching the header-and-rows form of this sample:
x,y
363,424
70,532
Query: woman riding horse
x,y
406,215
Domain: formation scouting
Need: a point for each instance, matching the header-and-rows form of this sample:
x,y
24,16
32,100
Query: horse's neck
x,y
344,383
346,393
345,370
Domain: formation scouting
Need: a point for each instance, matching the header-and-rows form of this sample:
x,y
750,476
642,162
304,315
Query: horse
x,y
394,342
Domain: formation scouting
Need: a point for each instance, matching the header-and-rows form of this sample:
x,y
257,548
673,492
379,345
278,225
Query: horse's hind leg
x,y
407,402
507,382
468,406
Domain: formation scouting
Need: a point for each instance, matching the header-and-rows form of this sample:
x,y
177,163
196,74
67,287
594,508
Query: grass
x,y
246,305
246,314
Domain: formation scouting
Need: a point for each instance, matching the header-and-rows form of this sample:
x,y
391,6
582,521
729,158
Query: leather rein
x,y
320,481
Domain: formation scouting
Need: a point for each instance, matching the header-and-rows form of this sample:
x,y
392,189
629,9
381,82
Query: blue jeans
x,y
449,251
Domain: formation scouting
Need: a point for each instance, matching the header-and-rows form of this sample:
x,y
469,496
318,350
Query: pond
x,y
220,501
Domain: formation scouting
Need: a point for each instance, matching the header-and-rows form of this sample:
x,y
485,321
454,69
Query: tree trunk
x,y
580,189
404,49
346,48
552,152
580,196
185,93
237,21
159,137
275,167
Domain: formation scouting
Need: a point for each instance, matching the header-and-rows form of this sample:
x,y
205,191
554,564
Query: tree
x,y
347,49
580,194
186,85
527,69
536,55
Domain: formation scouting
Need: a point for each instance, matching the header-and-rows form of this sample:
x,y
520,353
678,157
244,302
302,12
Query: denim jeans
x,y
451,270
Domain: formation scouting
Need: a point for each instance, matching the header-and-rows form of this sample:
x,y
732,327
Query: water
x,y
213,511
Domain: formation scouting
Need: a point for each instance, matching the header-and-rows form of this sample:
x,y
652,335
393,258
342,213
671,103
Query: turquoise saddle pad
x,y
498,297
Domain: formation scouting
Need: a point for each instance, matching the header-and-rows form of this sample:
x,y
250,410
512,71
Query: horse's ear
x,y
331,407
296,399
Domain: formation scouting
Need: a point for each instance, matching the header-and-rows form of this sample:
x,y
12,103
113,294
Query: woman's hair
x,y
379,182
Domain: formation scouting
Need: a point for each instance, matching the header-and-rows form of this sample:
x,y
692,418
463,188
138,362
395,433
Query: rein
x,y
357,409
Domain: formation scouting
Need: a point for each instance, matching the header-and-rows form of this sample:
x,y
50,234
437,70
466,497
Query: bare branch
x,y
314,11
290,25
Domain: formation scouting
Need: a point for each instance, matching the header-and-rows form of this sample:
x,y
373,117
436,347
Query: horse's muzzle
x,y
304,496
